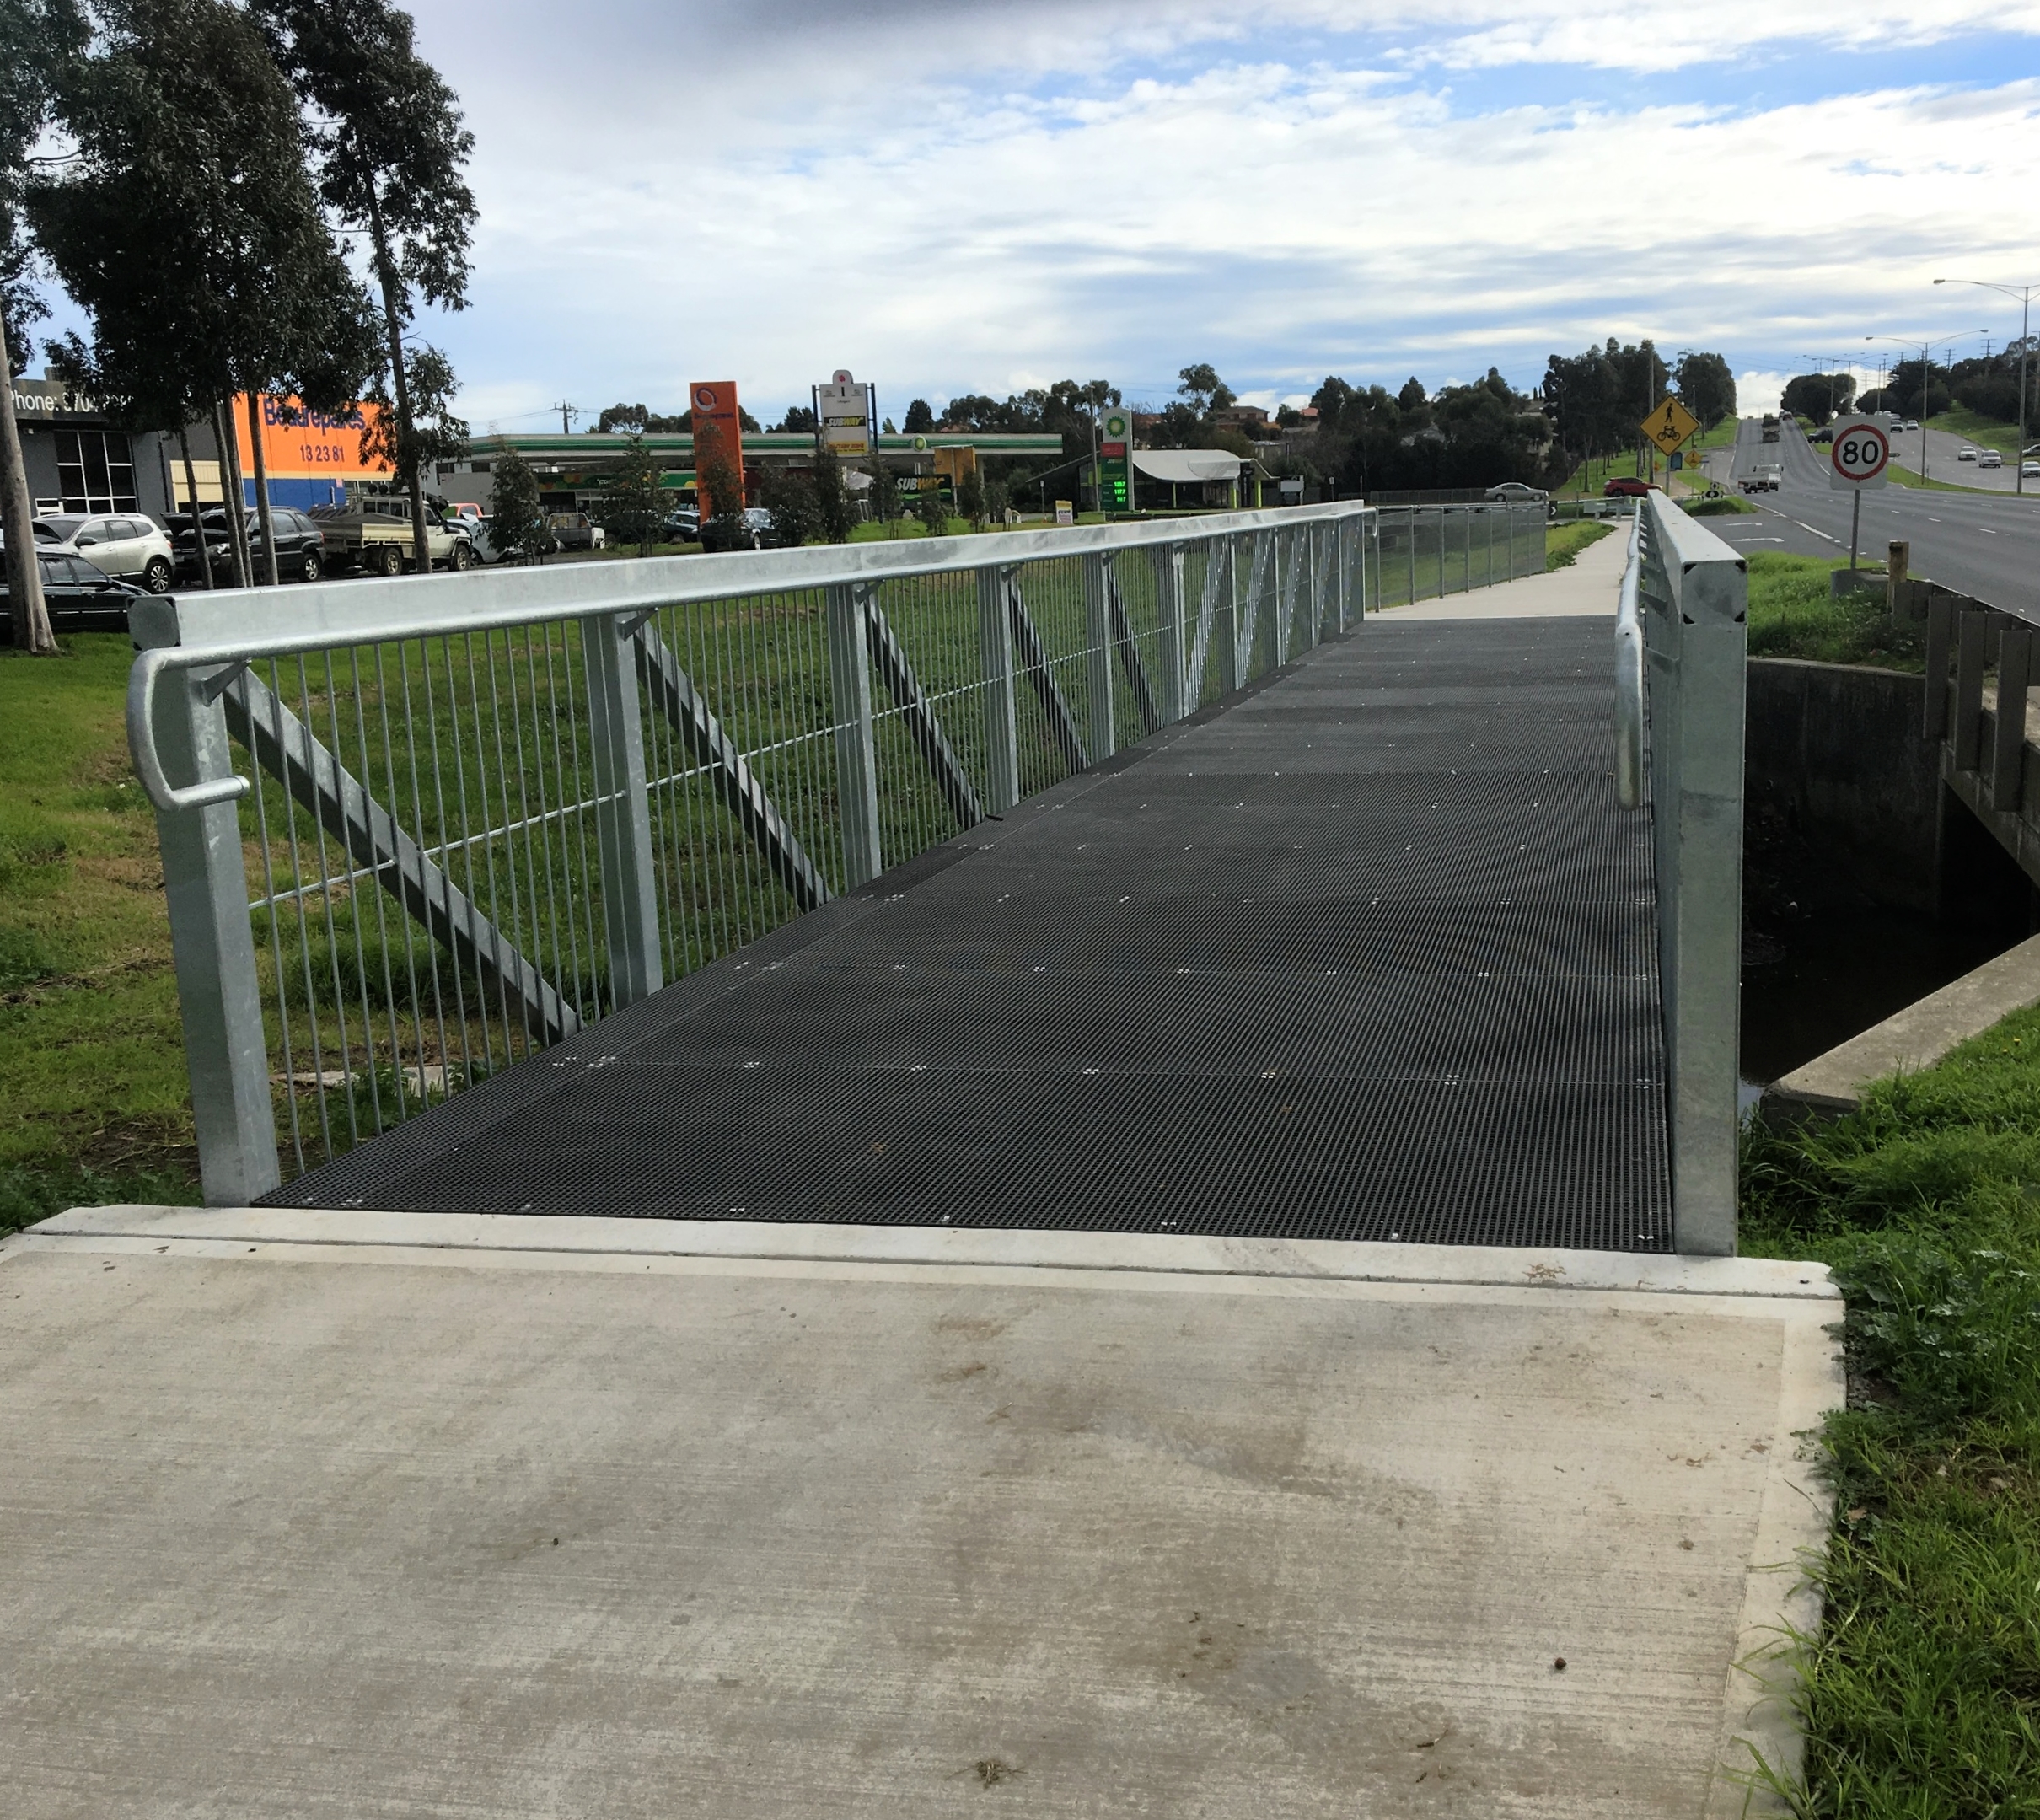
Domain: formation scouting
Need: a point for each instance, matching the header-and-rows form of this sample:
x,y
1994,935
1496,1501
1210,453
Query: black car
x,y
301,545
79,598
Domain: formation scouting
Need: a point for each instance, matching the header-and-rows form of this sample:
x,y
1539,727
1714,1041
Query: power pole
x,y
568,414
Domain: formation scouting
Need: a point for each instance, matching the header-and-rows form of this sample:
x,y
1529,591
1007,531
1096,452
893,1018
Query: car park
x,y
129,545
78,596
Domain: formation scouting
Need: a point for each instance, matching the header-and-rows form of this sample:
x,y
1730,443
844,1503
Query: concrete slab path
x,y
1587,589
347,1513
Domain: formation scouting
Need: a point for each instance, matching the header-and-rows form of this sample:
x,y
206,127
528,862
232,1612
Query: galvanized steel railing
x,y
415,830
1694,590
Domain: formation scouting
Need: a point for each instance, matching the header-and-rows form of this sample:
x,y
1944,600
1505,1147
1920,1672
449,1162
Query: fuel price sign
x,y
1860,454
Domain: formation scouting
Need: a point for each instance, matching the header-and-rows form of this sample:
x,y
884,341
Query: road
x,y
1943,449
1978,544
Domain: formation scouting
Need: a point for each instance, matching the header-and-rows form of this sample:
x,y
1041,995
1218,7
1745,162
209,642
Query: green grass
x,y
1904,477
91,1054
1726,506
1563,543
1922,1696
1792,614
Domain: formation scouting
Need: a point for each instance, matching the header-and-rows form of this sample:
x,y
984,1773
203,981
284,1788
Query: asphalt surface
x,y
1980,544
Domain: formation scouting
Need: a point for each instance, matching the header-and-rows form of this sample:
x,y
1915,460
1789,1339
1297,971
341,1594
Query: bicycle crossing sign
x,y
1860,454
1670,424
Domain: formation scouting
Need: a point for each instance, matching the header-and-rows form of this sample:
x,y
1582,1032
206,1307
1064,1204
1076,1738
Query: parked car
x,y
301,550
79,597
575,530
129,546
1824,434
1989,457
683,526
1623,487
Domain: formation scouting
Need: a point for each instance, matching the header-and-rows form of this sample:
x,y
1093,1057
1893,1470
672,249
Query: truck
x,y
1763,479
1770,429
378,538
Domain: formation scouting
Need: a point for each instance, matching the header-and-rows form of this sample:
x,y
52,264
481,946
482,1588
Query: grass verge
x,y
1922,1692
91,1055
1983,433
1793,614
1563,543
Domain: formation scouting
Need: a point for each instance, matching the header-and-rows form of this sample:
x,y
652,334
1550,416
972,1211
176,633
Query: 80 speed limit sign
x,y
1860,454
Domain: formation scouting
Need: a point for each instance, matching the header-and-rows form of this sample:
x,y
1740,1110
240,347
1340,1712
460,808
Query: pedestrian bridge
x,y
1182,877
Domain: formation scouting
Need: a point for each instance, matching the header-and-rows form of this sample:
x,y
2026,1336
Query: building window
x,y
95,471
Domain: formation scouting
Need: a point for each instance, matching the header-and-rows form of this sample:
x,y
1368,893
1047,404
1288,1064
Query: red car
x,y
1623,488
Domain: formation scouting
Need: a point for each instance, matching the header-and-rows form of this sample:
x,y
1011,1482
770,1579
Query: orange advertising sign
x,y
715,420
299,445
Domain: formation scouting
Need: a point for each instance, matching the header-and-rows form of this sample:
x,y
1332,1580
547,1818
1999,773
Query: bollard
x,y
1897,561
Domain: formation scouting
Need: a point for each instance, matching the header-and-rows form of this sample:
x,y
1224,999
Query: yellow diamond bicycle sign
x,y
1670,424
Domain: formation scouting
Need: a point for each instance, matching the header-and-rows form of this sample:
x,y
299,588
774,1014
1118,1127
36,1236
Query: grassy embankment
x,y
1922,1696
1792,614
1563,543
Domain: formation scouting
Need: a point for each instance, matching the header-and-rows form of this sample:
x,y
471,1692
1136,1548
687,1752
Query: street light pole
x,y
2024,293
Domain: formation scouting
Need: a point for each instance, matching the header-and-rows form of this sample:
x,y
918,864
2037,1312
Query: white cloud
x,y
967,197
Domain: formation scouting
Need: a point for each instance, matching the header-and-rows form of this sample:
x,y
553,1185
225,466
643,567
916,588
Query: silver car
x,y
128,546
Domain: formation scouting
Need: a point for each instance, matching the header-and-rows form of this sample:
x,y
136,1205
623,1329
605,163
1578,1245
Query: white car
x,y
1989,457
1965,454
2030,469
129,545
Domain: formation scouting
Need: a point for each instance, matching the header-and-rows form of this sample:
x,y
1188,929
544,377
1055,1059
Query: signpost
x,y
718,429
1859,457
845,414
1670,425
1115,462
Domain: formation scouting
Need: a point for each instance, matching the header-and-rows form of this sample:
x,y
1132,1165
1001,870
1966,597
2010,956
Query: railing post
x,y
1466,552
1228,646
1940,621
219,996
1169,653
623,812
1097,660
856,752
996,656
1409,524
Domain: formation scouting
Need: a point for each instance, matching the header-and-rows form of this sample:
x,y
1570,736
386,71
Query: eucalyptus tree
x,y
390,154
185,226
36,38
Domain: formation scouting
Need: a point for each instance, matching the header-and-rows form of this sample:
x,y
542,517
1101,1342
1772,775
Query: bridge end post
x,y
1097,659
1698,590
219,999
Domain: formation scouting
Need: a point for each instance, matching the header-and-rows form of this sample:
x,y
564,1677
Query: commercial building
x,y
79,460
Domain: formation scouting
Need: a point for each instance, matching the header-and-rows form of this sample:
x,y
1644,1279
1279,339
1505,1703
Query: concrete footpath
x,y
350,1513
1586,589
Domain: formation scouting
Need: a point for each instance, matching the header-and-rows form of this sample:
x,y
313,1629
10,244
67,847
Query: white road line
x,y
1804,526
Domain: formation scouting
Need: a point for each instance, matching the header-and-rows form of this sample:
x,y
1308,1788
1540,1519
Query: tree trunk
x,y
26,607
263,515
390,285
233,508
198,528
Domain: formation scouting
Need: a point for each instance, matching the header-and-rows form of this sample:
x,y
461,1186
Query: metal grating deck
x,y
1368,954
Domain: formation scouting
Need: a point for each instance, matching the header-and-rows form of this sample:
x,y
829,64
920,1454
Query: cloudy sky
x,y
946,196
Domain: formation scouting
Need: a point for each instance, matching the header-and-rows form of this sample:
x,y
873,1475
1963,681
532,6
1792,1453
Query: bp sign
x,y
1116,461
1859,455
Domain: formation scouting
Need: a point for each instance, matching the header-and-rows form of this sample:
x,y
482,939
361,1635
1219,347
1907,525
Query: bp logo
x,y
1117,424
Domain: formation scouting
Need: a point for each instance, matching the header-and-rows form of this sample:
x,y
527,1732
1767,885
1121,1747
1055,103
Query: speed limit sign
x,y
1860,454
